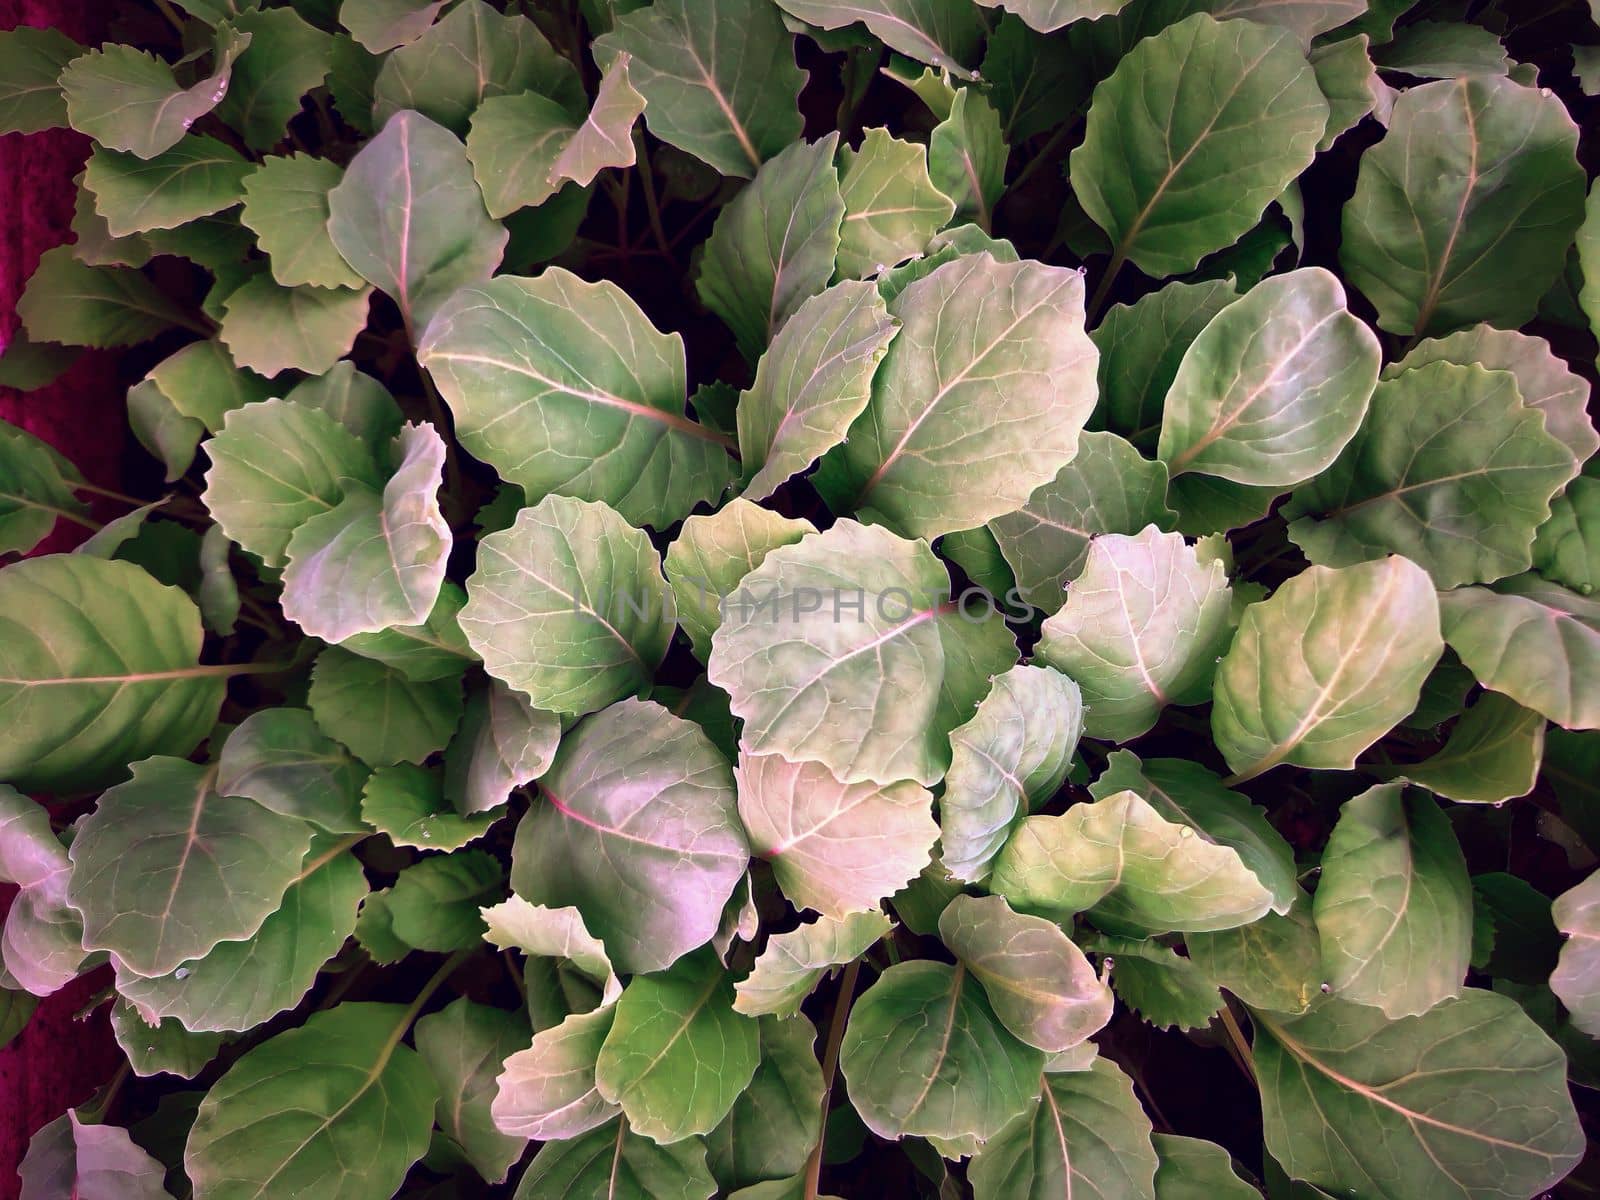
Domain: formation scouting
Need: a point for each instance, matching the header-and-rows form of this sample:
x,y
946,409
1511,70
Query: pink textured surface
x,y
57,1061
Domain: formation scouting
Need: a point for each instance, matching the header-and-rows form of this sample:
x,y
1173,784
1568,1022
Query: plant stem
x,y
1238,1045
109,494
651,204
1104,290
830,1063
172,17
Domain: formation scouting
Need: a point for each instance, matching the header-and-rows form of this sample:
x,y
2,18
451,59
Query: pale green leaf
x,y
941,248
834,847
187,396
773,1126
850,677
1566,548
1274,387
70,302
42,947
967,157
37,487
99,667
193,179
713,554
286,59
793,963
607,425
547,1091
1394,905
165,867
559,933
503,743
1351,85
568,606
637,828
978,646
383,716
1165,989
1574,980
1465,210
30,852
718,77
463,1046
1493,754
891,206
614,1161
1047,16
164,1049
1042,987
1467,1100
286,207
269,328
336,1108
409,219
407,803
924,1055
432,650
1013,754
1198,129
943,33
381,25
773,246
811,384
30,64
1332,661
677,1055
1274,963
980,398
68,1157
1193,1169
281,760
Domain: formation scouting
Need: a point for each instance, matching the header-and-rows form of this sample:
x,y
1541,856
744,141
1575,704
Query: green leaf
x,y
713,554
1108,487
30,852
409,219
1193,1169
615,1161
286,207
503,743
891,206
834,847
99,667
271,329
1493,754
1325,667
1274,963
811,384
432,650
924,1055
16,1010
1464,212
678,1056
274,466
967,156
1164,989
286,59
943,33
1173,167
1573,981
238,985
128,100
381,25
979,400
377,560
1274,387
383,716
1589,259
1012,755
407,803
638,803
356,400
1450,469
1132,869
793,963
1140,629
1469,1099
1533,641
1444,50
607,427
783,1101
463,1046
718,78
75,304
30,65
36,488
336,1107
547,1091
1566,548
1040,984
1085,1131
95,1162
1394,904
1185,792
185,397
541,932
569,607
281,760
28,366
196,177
773,246
472,55
435,903
799,674
164,1049
165,867
1350,82
43,940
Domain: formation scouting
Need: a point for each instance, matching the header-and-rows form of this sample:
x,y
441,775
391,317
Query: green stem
x,y
1102,292
830,1064
435,982
651,204
172,17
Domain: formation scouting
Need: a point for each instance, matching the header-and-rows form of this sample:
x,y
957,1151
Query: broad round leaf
x,y
272,329
1332,661
614,1161
637,828
1274,963
463,1046
1198,129
547,1091
407,803
503,743
924,1055
891,206
1274,387
834,847
829,652
286,207
793,963
938,32
336,1108
1469,1099
281,760
1493,754
568,606
783,1101
1192,1169
381,714
98,668
193,179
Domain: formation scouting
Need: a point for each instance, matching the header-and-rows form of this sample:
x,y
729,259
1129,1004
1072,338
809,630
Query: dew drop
x,y
1325,988
181,973
1185,832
